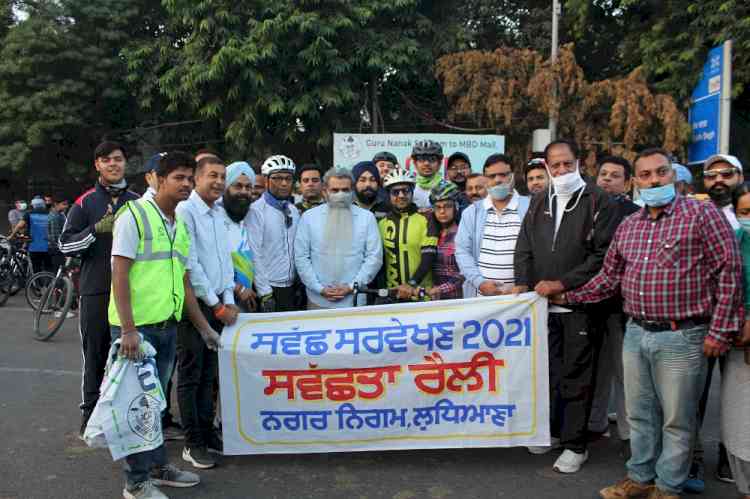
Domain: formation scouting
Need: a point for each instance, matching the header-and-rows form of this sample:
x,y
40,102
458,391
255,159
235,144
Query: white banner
x,y
458,373
351,148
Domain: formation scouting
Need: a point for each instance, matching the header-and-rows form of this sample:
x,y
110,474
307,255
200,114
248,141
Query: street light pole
x,y
553,59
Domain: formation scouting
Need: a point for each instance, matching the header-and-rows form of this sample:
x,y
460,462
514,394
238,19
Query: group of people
x,y
208,240
41,224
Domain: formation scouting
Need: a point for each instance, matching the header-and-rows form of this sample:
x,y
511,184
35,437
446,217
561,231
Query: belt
x,y
161,325
657,326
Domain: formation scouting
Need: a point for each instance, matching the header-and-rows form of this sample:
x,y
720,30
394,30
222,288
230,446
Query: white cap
x,y
723,158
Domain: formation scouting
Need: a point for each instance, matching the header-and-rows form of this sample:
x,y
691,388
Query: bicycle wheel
x,y
53,309
36,287
5,277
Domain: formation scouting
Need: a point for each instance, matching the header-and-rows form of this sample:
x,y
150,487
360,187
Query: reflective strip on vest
x,y
149,255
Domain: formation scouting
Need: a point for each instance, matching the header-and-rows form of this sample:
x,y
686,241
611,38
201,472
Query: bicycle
x,y
36,287
55,303
15,266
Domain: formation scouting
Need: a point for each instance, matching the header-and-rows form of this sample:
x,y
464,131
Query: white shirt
x,y
272,244
728,211
125,236
149,194
499,241
421,198
212,273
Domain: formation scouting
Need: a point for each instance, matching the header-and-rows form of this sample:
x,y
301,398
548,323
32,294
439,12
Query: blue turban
x,y
682,174
365,166
236,169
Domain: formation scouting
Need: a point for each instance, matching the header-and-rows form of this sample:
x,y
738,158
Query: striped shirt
x,y
499,241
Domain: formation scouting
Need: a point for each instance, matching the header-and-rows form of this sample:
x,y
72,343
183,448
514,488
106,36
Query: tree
x,y
275,73
512,91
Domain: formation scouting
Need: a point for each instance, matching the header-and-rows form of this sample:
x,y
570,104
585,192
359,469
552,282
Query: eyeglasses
x,y
726,173
427,157
400,191
452,168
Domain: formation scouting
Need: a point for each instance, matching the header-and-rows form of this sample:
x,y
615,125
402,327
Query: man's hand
x,y
332,293
130,342
227,314
517,290
405,292
488,288
212,339
547,288
433,293
743,339
711,348
244,295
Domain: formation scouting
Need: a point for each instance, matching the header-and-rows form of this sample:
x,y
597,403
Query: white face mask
x,y
341,199
22,206
568,183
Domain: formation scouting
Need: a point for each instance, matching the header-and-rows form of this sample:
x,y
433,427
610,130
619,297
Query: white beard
x,y
337,243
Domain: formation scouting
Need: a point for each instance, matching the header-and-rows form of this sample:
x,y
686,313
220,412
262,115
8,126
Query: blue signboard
x,y
705,105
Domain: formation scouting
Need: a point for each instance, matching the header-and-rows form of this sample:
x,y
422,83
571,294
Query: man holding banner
x,y
562,244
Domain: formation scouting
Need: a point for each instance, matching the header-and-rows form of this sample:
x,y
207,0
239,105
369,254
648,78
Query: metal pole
x,y
553,58
725,109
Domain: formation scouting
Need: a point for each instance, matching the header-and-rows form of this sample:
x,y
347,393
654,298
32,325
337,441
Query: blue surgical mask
x,y
745,224
501,191
658,196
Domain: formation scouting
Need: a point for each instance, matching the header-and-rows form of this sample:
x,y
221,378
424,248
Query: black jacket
x,y
79,238
577,253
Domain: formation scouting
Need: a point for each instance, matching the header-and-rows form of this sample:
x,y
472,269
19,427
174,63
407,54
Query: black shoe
x,y
84,422
198,457
723,471
214,443
695,483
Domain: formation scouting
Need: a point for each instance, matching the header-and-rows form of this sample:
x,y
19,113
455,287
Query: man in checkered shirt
x,y
678,267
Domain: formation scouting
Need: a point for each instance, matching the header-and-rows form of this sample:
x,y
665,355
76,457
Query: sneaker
x,y
198,457
570,462
593,436
143,490
612,417
172,433
68,315
695,484
170,476
657,493
543,449
214,443
627,489
723,471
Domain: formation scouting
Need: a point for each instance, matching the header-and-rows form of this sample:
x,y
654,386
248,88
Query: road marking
x,y
56,372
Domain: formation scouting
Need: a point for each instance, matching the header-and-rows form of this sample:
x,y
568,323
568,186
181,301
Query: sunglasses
x,y
400,191
427,157
726,173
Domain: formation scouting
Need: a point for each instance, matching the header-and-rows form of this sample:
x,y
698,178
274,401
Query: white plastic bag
x,y
127,417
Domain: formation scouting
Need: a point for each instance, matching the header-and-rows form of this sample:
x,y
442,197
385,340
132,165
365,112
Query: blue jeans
x,y
138,466
664,376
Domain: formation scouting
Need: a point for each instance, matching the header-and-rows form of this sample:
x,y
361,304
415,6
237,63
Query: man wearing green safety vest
x,y
150,288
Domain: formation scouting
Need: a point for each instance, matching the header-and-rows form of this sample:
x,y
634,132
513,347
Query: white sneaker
x,y
68,315
543,449
570,462
145,490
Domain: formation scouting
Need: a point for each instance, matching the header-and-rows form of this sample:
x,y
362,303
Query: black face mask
x,y
367,195
720,194
236,206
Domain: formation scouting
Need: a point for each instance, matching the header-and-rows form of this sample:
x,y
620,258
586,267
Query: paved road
x,y
41,456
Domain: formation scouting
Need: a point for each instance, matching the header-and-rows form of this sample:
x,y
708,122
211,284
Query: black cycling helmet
x,y
427,148
385,156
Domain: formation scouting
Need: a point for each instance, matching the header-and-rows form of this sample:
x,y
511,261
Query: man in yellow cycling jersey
x,y
409,243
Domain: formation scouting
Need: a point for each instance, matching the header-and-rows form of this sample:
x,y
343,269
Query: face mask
x,y
658,196
22,206
745,224
340,199
500,191
569,183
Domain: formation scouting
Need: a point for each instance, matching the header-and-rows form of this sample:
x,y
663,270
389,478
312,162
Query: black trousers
x,y
288,299
197,370
572,361
95,340
40,260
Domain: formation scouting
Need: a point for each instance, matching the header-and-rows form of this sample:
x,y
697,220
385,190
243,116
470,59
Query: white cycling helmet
x,y
399,176
277,163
